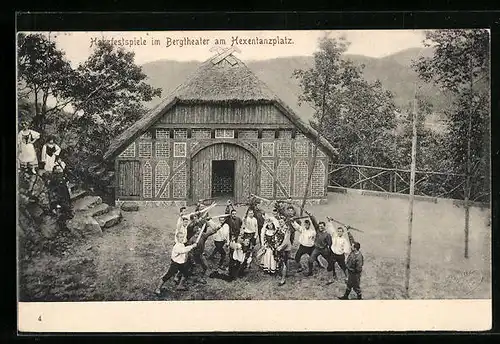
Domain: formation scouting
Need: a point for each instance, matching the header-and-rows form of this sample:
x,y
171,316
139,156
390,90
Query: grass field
x,y
126,262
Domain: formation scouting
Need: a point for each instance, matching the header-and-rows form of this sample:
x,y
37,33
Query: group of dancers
x,y
264,238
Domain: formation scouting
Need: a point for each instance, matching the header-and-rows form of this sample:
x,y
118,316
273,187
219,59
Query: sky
x,y
373,43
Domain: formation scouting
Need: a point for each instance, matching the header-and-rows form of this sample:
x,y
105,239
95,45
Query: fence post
x,y
395,188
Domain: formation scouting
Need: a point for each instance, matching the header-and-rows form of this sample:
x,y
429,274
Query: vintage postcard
x,y
245,180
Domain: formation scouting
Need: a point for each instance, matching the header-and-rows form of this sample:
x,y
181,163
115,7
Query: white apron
x,y
49,155
25,140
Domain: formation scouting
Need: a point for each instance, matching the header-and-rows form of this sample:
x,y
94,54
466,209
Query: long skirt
x,y
268,262
27,154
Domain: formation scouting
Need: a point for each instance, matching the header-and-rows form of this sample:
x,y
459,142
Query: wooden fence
x,y
432,184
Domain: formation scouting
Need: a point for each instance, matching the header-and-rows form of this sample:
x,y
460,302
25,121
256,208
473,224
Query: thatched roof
x,y
221,79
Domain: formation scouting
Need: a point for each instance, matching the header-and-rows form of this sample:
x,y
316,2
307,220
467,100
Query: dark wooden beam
x,y
249,126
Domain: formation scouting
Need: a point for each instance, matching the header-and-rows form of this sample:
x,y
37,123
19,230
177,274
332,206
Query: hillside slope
x,y
393,71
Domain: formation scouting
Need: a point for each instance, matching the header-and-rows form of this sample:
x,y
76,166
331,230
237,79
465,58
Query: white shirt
x,y
238,253
179,252
340,244
251,224
222,234
307,236
212,224
181,229
330,228
179,222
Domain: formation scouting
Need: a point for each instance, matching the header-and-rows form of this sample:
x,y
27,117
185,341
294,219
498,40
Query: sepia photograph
x,y
345,165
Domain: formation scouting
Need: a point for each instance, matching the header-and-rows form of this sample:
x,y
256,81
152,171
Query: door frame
x,y
241,144
234,162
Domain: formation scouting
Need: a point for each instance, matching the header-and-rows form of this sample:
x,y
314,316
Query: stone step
x,y
129,206
77,194
99,209
87,202
82,224
113,217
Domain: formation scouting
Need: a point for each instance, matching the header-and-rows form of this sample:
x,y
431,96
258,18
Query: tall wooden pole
x,y
315,152
412,197
468,168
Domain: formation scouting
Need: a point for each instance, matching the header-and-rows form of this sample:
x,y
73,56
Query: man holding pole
x,y
322,243
354,264
340,250
306,240
208,229
221,238
178,264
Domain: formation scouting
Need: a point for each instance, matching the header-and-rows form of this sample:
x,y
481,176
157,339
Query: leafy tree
x,y
108,96
460,64
44,76
86,106
356,116
429,148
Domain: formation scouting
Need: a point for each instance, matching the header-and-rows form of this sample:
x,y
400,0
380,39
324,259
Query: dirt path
x,y
126,262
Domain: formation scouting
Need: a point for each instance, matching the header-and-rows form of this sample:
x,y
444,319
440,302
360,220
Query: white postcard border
x,y
256,316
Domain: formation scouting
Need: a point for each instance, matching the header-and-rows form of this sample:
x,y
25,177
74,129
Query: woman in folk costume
x,y
25,140
268,261
50,152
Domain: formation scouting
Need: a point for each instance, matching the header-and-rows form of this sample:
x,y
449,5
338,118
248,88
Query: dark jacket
x,y
234,226
192,226
323,239
203,239
354,262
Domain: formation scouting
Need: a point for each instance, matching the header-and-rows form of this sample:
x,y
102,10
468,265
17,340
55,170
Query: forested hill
x,y
393,71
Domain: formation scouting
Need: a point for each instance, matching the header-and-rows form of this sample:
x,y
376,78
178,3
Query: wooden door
x,y
245,171
129,178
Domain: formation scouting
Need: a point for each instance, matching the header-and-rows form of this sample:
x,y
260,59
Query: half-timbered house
x,y
222,132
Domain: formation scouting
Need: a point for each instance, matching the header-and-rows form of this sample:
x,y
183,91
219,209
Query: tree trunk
x,y
36,119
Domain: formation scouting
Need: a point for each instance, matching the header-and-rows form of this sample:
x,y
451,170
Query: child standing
x,y
25,140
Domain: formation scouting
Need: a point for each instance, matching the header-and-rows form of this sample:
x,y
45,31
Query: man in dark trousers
x,y
198,252
221,238
235,224
354,265
322,243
